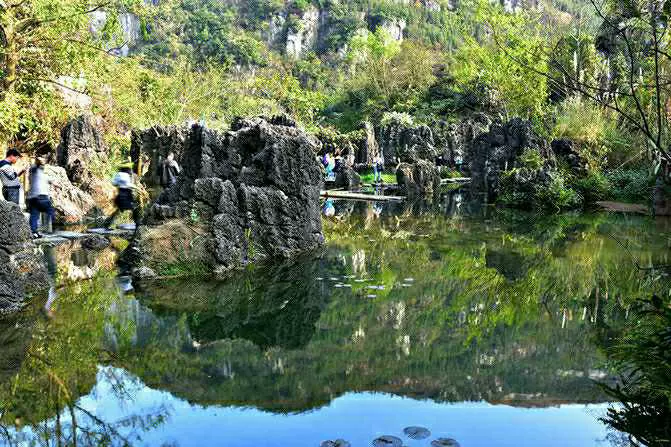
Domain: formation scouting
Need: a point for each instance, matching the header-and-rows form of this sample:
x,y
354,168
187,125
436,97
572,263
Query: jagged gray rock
x,y
565,149
347,178
245,195
452,140
492,153
421,178
71,204
22,270
81,147
406,144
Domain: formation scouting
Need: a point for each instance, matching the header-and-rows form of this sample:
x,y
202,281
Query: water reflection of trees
x,y
642,356
48,364
284,338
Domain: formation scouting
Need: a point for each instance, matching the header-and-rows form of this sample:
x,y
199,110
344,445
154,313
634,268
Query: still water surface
x,y
487,327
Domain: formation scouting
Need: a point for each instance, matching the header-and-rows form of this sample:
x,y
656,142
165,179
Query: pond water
x,y
488,327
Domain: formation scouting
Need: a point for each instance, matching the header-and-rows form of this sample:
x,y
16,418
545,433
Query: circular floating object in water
x,y
445,442
387,441
416,432
336,443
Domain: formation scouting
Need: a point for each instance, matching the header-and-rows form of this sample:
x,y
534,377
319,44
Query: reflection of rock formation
x,y
76,263
276,306
15,334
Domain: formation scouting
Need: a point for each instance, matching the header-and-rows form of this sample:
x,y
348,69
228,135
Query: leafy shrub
x,y
594,187
631,185
592,129
401,118
531,159
556,195
536,189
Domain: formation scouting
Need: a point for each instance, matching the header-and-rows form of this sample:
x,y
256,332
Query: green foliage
x,y
594,187
531,159
401,118
634,186
502,61
593,129
386,77
531,188
557,195
642,357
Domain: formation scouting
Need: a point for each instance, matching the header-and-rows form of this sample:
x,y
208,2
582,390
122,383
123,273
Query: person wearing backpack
x,y
11,185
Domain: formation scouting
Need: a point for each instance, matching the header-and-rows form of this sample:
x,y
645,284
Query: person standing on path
x,y
170,170
378,168
11,185
39,197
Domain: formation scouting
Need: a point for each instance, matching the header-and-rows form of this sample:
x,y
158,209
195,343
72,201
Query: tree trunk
x,y
662,193
11,60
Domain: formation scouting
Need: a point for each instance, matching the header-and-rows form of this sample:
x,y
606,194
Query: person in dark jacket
x,y
11,185
125,199
169,171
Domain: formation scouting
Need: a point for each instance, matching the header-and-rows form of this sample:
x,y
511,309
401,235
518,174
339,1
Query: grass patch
x,y
368,177
184,269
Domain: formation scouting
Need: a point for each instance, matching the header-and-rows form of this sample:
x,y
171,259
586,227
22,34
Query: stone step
x,y
62,237
359,196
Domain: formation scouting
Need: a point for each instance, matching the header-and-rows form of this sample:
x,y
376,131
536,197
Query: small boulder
x,y
387,441
444,442
95,242
565,149
347,179
417,432
419,179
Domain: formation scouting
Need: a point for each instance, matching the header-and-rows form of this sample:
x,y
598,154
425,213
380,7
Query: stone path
x,y
623,207
359,196
62,237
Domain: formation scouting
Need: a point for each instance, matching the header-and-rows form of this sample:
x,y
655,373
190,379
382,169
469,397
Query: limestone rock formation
x,y
22,270
565,149
452,140
368,147
492,153
418,179
245,195
302,36
80,190
347,178
81,146
71,204
399,141
413,148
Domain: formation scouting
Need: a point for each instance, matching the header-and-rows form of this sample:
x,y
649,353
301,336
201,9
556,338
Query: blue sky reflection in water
x,y
357,417
488,329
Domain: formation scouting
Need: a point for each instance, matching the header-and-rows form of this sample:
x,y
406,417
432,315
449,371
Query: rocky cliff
x,y
22,270
244,196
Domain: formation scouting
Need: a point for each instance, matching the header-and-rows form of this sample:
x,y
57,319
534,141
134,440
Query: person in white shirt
x,y
125,199
39,197
378,168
